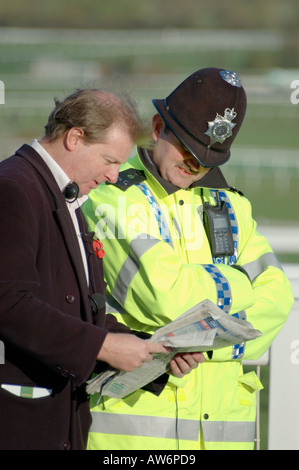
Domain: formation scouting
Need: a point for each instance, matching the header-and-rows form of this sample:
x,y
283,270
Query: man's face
x,y
174,162
96,163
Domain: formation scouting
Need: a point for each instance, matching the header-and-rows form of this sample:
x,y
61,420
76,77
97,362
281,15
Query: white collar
x,y
60,176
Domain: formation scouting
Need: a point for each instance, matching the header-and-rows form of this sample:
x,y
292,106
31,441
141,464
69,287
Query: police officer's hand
x,y
184,363
126,352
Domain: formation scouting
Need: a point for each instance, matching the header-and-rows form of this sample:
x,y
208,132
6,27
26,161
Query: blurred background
x,y
48,49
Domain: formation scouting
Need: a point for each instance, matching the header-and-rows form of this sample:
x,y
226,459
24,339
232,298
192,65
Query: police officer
x,y
175,233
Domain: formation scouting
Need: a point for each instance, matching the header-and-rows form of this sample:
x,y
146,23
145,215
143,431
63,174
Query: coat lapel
x,y
62,218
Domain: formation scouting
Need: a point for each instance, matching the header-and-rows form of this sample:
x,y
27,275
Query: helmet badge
x,y
221,128
231,77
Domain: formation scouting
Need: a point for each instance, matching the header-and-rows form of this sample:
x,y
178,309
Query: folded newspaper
x,y
205,327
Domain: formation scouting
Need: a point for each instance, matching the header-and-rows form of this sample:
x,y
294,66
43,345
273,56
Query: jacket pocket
x,y
249,384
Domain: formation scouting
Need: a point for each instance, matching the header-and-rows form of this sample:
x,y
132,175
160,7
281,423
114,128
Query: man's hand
x,y
184,363
126,352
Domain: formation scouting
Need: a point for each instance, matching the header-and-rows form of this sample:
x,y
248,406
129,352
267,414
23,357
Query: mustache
x,y
188,169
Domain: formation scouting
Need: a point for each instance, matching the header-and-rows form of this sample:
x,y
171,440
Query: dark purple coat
x,y
50,336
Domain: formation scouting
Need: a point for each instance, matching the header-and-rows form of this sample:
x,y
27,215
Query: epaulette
x,y
235,190
128,178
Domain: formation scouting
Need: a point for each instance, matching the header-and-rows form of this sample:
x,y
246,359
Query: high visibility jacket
x,y
158,264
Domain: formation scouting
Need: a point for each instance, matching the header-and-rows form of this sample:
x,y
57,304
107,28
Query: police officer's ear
x,y
158,126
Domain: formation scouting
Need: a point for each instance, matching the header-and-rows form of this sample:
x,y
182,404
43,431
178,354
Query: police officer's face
x,y
172,159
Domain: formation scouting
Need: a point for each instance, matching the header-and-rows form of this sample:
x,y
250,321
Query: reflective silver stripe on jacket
x,y
146,426
170,428
258,266
228,431
112,306
138,246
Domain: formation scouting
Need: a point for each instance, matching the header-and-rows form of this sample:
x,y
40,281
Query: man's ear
x,y
158,126
73,137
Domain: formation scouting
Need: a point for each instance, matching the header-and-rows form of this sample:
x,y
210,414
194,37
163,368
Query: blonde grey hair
x,y
94,111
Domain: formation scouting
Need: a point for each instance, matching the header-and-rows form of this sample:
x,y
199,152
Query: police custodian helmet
x,y
205,113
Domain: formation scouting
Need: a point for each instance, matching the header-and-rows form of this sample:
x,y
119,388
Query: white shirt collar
x,y
60,176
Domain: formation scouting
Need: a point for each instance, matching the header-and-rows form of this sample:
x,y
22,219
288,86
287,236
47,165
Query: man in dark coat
x,y
53,327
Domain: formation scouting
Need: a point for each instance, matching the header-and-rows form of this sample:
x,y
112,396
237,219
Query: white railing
x,y
283,361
